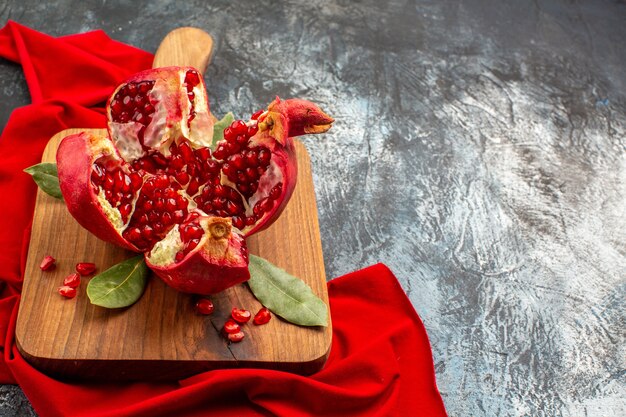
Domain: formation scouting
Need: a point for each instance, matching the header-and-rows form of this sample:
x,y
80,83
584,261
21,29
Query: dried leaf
x,y
285,295
46,176
119,286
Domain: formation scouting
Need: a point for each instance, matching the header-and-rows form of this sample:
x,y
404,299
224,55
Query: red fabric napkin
x,y
380,363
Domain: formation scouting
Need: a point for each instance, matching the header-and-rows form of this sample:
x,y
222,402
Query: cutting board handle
x,y
185,46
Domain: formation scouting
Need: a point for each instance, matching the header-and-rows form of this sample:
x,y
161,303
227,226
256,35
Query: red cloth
x,y
380,363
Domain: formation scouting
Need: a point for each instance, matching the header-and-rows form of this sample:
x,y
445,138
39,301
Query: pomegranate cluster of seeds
x,y
132,103
239,317
72,281
119,188
158,208
156,190
190,235
192,79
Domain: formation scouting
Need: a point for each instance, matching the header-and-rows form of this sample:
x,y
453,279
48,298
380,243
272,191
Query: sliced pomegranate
x,y
155,186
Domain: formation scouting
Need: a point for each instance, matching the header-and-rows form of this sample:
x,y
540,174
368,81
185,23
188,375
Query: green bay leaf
x,y
46,176
119,286
218,128
285,295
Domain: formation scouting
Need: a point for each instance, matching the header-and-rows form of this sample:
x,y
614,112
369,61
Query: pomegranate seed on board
x,y
262,317
85,268
240,315
231,327
205,306
67,291
72,280
48,263
236,337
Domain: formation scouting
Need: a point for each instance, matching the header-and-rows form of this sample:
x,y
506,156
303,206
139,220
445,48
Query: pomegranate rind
x,y
75,156
283,120
217,263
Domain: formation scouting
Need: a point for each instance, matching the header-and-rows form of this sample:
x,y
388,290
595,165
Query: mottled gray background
x,y
479,151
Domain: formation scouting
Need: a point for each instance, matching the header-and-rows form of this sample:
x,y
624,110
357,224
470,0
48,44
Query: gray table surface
x,y
479,151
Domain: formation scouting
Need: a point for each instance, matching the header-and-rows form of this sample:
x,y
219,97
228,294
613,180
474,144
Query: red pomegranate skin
x,y
75,156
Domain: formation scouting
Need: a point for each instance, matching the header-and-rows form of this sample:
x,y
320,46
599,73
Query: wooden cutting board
x,y
161,337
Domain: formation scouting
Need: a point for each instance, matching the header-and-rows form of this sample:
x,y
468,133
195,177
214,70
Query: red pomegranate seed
x,y
238,222
240,315
72,280
236,337
262,317
231,327
204,306
67,292
239,127
256,115
85,268
48,263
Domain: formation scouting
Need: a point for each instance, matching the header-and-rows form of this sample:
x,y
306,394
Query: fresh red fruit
x,y
240,315
85,268
205,306
236,337
67,291
153,185
48,263
231,327
72,280
262,317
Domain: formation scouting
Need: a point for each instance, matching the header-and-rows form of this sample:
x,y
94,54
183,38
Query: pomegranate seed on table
x,y
72,280
85,268
48,263
236,337
205,306
262,317
67,292
240,315
231,327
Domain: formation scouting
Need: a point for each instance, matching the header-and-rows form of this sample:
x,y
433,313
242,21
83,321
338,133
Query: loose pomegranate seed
x,y
85,268
231,326
240,315
262,317
48,263
205,306
72,280
67,291
236,337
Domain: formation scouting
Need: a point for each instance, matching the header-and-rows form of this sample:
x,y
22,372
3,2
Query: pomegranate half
x,y
158,184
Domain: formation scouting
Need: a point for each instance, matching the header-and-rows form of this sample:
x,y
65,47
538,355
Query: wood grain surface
x,y
160,336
